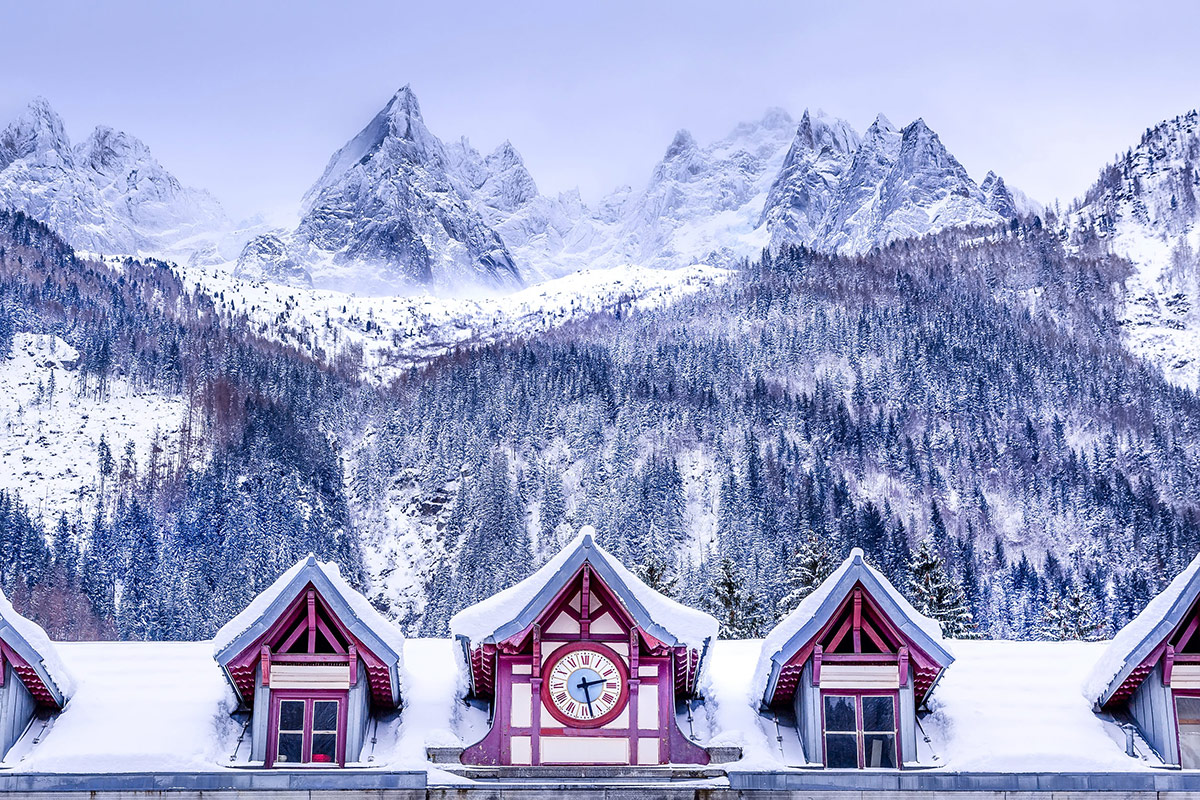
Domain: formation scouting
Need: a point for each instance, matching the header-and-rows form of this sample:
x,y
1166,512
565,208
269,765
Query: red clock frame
x,y
622,698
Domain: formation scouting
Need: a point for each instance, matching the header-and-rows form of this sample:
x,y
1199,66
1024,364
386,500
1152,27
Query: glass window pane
x,y
1187,717
841,750
324,748
289,746
291,715
325,714
879,714
879,750
839,713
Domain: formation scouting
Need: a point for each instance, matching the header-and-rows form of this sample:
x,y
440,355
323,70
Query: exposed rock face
x,y
266,257
391,213
838,193
107,195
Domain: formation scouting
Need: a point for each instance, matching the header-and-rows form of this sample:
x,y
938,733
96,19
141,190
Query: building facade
x,y
846,672
584,664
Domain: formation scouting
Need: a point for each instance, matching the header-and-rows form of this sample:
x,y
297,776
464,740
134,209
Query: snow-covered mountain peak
x,y
819,131
109,151
108,195
399,128
508,184
392,210
36,134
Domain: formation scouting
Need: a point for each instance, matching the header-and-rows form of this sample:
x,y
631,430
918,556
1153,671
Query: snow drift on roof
x,y
1143,633
812,605
290,583
482,621
30,641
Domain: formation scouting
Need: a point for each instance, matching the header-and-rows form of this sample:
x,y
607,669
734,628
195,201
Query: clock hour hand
x,y
585,685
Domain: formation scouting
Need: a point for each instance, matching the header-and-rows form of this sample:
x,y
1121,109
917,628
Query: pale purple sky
x,y
250,99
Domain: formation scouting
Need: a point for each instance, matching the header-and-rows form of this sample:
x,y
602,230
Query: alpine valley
x,y
795,340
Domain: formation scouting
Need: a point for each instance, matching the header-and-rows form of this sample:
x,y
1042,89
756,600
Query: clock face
x,y
585,685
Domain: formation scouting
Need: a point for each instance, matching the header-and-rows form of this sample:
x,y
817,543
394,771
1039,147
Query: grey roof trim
x,y
1161,630
312,573
857,573
585,551
13,638
167,783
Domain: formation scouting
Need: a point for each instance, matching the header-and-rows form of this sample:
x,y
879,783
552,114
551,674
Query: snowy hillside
x,y
385,335
106,195
49,435
1144,207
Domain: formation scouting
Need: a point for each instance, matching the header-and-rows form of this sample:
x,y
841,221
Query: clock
x,y
585,685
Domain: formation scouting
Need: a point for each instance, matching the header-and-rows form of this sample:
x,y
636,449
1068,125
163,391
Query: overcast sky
x,y
250,99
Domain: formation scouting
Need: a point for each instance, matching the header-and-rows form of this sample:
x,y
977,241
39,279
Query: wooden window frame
x,y
858,695
308,697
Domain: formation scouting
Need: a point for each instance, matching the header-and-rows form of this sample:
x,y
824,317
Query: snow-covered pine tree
x,y
737,609
937,594
1071,615
811,563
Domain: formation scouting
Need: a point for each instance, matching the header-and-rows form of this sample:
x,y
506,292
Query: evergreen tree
x,y
1071,615
736,608
811,563
936,594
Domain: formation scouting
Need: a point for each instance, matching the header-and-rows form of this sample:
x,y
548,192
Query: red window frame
x,y
858,695
308,696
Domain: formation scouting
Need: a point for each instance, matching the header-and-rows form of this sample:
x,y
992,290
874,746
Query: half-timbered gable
x,y
1150,674
31,675
848,669
583,664
312,661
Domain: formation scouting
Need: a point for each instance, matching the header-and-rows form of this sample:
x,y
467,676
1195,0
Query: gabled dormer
x,y
1150,673
312,662
583,663
848,669
31,675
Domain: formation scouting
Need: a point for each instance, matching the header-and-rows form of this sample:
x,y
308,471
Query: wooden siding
x,y
859,676
260,719
358,716
310,676
1152,708
16,708
808,715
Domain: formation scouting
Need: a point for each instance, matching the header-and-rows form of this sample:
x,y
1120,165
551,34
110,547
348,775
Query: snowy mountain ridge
x,y
108,194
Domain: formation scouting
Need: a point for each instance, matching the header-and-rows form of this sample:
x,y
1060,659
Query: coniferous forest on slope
x,y
959,406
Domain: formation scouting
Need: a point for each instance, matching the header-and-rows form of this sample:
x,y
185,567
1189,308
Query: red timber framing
x,y
308,633
28,675
585,612
1181,648
858,633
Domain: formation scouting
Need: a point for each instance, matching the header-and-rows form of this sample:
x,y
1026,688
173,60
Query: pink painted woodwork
x,y
858,633
308,632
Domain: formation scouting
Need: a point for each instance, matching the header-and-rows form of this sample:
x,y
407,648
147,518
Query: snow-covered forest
x,y
960,406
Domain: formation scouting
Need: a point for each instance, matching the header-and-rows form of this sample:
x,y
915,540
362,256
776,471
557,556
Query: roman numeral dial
x,y
586,685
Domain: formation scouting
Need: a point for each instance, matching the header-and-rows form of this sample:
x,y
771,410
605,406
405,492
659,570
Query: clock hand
x,y
583,684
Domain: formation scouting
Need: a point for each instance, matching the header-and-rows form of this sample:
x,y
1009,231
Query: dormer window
x,y
310,666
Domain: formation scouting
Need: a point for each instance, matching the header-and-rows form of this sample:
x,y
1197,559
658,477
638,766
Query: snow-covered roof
x,y
799,627
516,608
1133,643
163,707
379,634
29,641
